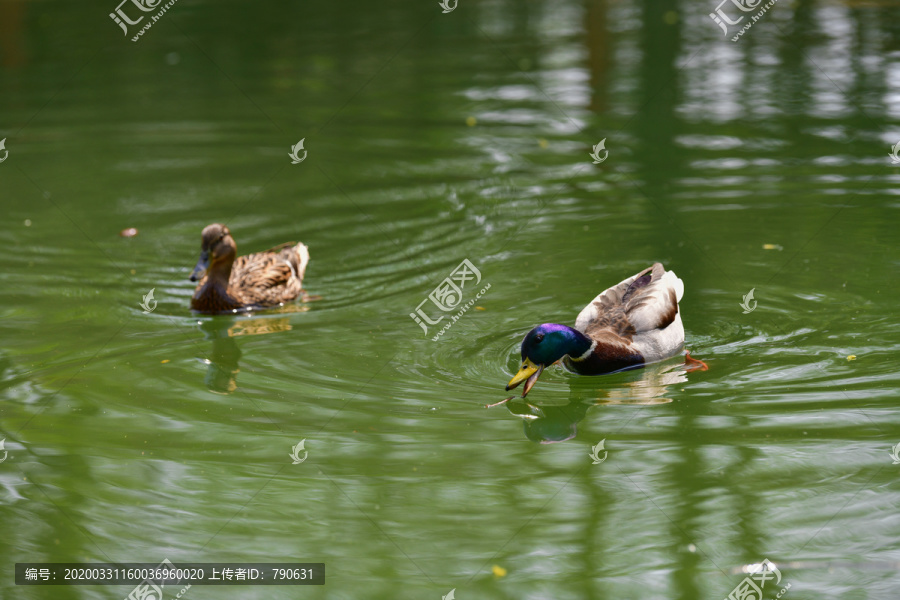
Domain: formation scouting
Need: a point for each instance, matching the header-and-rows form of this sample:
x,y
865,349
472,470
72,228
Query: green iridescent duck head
x,y
543,346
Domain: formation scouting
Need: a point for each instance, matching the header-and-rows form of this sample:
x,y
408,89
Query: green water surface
x,y
433,137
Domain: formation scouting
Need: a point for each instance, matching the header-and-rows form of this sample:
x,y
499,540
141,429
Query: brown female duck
x,y
261,280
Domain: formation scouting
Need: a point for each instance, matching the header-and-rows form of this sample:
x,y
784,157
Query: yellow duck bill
x,y
529,373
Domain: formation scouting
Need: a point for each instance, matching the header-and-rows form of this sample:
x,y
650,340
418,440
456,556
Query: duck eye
x,y
538,338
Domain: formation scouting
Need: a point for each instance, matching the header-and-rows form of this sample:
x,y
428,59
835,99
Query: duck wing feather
x,y
641,303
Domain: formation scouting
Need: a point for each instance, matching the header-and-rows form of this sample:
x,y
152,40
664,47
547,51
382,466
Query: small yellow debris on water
x,y
164,361
671,17
851,357
772,247
133,272
498,571
470,121
479,308
543,143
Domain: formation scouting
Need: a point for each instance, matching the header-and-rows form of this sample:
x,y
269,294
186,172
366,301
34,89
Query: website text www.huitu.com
x,y
462,311
154,19
754,18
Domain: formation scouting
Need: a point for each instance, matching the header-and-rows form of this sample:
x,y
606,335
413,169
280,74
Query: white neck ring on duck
x,y
586,354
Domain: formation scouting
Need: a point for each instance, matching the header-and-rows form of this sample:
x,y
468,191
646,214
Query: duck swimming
x,y
230,284
627,326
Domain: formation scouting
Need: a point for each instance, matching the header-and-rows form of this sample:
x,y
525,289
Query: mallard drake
x,y
261,280
629,325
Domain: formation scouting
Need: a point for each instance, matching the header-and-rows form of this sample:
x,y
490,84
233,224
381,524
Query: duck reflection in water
x,y
223,362
548,424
